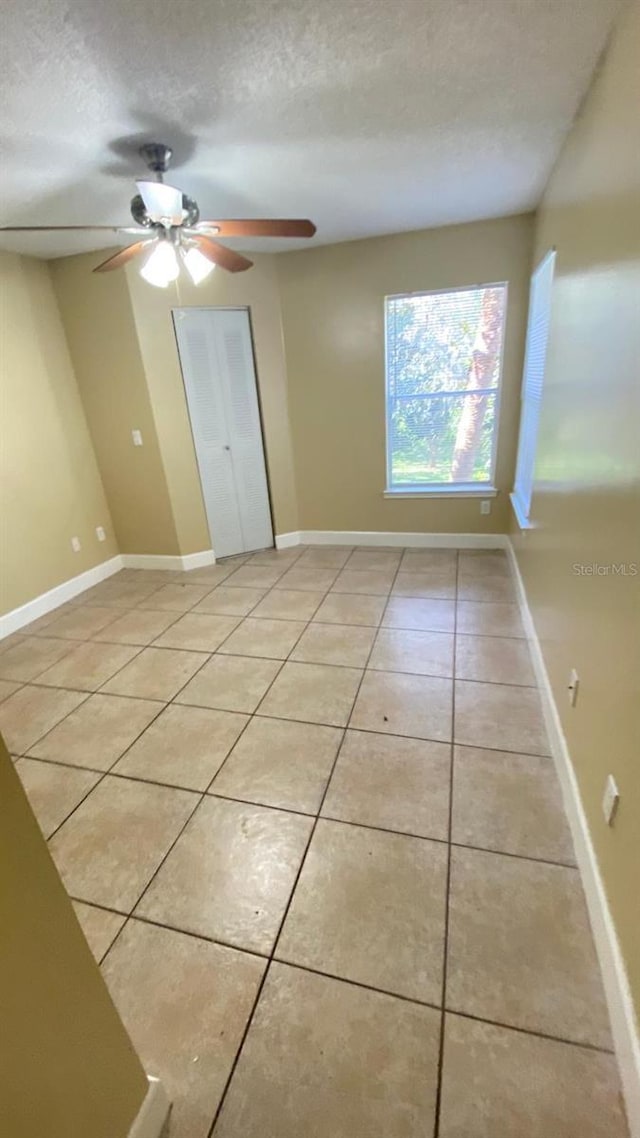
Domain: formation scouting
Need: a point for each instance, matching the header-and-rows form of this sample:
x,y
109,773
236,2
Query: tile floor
x,y
304,805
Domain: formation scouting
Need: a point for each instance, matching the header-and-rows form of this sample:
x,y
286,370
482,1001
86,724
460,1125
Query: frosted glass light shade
x,y
197,265
161,266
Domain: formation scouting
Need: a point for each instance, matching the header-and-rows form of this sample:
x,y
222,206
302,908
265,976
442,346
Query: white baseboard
x,y
168,561
152,1116
16,619
39,606
378,537
198,560
287,540
624,1027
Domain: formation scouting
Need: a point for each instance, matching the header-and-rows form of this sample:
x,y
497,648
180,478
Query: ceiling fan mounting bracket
x,y
157,157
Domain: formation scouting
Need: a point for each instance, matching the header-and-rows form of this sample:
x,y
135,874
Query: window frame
x,y
485,489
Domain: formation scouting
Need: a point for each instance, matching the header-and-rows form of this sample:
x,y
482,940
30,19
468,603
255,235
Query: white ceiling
x,y
368,116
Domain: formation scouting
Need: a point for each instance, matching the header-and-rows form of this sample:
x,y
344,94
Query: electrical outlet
x,y
573,687
100,534
610,800
75,544
485,506
136,435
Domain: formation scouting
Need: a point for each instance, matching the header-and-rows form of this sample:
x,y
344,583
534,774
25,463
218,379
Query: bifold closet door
x,y
216,357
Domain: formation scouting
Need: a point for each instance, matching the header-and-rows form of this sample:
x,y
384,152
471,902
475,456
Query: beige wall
x,y
258,290
68,1066
49,482
123,345
101,332
332,303
586,504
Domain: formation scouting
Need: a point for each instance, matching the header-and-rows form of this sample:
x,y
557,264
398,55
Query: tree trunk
x,y
483,362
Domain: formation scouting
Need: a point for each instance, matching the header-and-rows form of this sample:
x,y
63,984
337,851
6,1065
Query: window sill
x,y
523,522
444,492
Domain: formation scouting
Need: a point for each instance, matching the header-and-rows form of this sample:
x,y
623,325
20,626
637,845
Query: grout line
x,y
438,1104
38,682
356,983
99,691
96,638
249,802
133,916
529,1031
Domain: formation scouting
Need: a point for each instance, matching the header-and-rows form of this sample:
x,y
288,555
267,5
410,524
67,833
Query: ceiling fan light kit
x,y
170,231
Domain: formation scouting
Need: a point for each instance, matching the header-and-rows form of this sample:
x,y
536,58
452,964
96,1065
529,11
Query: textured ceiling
x,y
369,116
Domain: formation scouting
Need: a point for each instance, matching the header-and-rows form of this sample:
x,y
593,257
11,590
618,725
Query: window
x,y
443,365
532,381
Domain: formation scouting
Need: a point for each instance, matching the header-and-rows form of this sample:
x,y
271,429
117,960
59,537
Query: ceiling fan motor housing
x,y
141,217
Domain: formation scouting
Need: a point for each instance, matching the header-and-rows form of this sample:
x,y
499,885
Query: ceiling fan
x,y
170,231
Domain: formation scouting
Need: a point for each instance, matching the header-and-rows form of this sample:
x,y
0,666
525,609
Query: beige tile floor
x,y
304,805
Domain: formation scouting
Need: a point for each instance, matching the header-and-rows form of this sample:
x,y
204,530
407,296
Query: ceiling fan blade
x,y
162,203
65,228
124,255
261,227
220,255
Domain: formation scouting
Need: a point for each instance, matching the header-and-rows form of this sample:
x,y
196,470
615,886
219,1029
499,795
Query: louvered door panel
x,y
197,347
243,417
217,363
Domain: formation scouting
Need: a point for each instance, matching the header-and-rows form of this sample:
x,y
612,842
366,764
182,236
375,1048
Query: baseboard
x,y
16,619
287,540
46,602
198,560
168,561
152,1116
379,537
624,1028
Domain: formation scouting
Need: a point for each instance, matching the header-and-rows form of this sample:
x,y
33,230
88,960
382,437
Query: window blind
x,y
532,383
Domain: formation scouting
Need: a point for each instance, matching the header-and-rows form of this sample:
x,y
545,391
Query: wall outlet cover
x,y
610,800
485,506
573,687
136,435
75,544
100,534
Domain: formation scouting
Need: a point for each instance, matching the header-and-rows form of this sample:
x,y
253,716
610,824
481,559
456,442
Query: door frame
x,y
227,308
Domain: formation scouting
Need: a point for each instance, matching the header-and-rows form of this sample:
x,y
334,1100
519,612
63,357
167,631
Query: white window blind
x,y
532,383
443,367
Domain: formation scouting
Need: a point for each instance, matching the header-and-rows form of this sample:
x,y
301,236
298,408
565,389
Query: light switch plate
x,y
75,544
136,435
100,534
